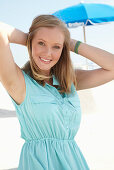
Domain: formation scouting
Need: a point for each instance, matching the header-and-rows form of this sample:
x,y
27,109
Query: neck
x,y
49,81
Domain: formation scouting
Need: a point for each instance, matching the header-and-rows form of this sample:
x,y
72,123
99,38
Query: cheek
x,y
57,56
35,51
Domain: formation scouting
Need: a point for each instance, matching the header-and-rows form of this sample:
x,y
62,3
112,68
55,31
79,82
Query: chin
x,y
45,69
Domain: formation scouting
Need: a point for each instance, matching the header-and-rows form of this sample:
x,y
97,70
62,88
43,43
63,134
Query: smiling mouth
x,y
44,60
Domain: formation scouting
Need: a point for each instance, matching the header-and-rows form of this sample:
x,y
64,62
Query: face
x,y
47,46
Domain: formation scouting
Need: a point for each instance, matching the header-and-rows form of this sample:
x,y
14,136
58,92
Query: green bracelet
x,y
76,46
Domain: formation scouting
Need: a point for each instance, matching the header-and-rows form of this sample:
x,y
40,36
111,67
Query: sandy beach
x,y
95,136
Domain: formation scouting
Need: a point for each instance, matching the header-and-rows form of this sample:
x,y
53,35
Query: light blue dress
x,y
49,122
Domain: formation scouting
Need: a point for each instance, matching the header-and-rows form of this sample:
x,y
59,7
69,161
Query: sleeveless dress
x,y
49,122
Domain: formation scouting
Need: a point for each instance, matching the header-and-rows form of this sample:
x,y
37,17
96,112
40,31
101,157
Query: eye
x,y
41,43
57,47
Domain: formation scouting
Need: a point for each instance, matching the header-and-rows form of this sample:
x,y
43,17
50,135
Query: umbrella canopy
x,y
86,14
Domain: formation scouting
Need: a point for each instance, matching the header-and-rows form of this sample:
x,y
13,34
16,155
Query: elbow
x,y
3,32
3,37
112,74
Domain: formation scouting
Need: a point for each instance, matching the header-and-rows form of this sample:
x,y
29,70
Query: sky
x,y
21,13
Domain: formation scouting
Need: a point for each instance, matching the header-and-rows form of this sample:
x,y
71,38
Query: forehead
x,y
53,34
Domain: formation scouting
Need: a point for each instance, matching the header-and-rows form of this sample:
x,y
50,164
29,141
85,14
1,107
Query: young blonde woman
x,y
44,91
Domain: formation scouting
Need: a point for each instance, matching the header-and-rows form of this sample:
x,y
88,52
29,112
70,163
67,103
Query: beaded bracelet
x,y
76,46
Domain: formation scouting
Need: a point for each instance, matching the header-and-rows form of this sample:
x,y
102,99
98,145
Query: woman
x,y
44,91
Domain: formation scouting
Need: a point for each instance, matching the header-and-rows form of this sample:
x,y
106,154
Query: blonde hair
x,y
63,69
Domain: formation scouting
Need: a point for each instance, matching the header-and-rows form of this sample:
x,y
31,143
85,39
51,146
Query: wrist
x,y
72,44
76,48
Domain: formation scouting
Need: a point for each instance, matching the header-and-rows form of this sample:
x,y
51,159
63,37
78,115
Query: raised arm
x,y
14,35
92,78
11,75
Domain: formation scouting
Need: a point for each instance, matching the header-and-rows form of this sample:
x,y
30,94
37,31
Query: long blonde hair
x,y
63,69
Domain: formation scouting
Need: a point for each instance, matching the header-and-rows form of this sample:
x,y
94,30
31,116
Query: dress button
x,y
61,102
65,99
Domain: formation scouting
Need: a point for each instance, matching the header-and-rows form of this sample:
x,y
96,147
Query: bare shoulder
x,y
17,89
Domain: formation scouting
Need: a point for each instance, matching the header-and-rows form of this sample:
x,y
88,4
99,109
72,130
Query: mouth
x,y
46,61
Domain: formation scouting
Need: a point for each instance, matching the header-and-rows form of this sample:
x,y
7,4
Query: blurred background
x,y
96,134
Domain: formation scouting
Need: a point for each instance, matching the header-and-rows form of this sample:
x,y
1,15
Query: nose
x,y
48,52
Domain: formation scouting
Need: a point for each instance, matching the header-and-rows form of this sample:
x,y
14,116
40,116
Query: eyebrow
x,y
54,43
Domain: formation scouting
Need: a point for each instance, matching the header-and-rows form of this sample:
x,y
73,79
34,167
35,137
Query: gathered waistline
x,y
49,139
